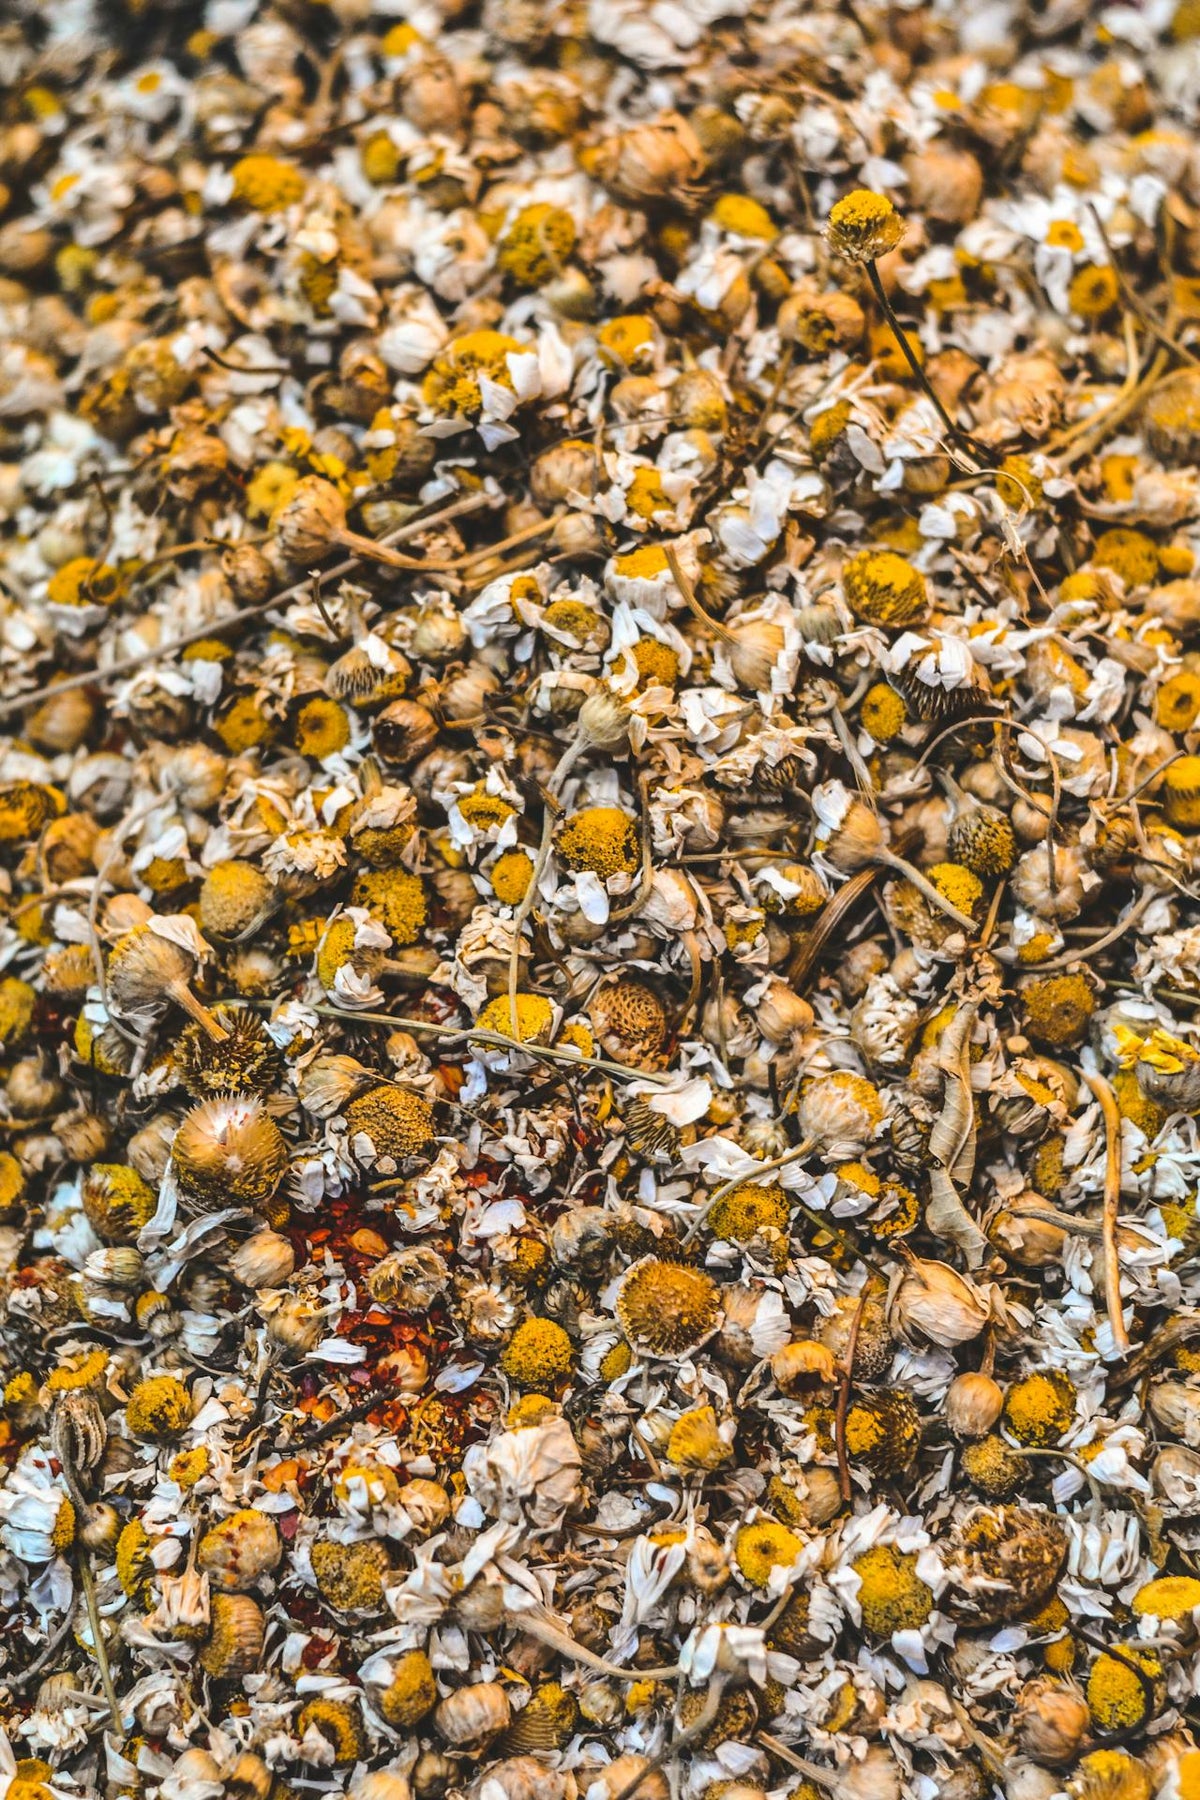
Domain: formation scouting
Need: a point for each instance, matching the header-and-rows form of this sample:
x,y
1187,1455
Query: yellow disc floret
x,y
883,712
134,1567
1093,291
76,1373
960,885
233,896
666,1308
266,183
17,1001
1181,791
600,838
452,383
1169,1597
627,339
397,898
744,217
534,1017
351,1577
656,663
511,875
484,811
395,1122
84,581
538,1355
1130,554
412,1691
536,244
321,728
1117,1696
864,225
1058,1008
1177,703
762,1546
1040,1409
737,1216
159,1407
696,1442
891,1593
882,588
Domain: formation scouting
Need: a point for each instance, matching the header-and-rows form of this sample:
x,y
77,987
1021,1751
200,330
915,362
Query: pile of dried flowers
x,y
599,1052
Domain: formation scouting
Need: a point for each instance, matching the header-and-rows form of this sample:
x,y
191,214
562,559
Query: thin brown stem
x,y
1140,905
375,550
752,1175
184,998
910,357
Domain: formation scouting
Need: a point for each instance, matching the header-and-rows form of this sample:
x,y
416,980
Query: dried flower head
x,y
229,1149
864,225
666,1308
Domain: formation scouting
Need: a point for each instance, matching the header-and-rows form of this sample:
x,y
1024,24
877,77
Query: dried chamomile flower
x,y
598,821
864,225
666,1308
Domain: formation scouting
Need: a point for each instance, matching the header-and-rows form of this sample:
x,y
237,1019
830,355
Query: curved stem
x,y
843,1399
467,503
570,755
689,594
495,1039
554,1639
374,551
747,1180
87,1582
1131,918
699,1725
1055,1450
829,1779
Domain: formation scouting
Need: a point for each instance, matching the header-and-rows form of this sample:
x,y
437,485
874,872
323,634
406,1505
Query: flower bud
x,y
801,1365
1051,1721
931,1302
296,1326
472,1715
604,720
973,1404
229,1151
264,1261
235,1553
781,1012
404,731
310,522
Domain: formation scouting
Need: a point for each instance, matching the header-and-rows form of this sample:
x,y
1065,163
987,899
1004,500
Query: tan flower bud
x,y
1051,1720
473,1714
973,1404
309,524
264,1261
296,1326
647,162
239,1550
931,1302
229,1150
